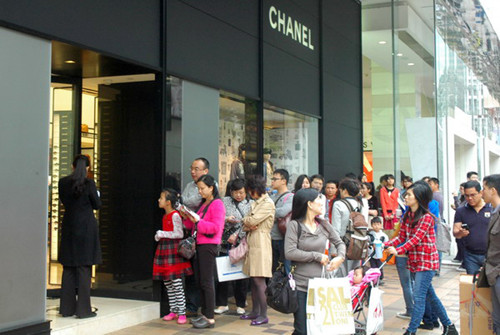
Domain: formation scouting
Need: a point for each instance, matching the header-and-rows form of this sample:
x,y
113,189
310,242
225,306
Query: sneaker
x,y
182,319
450,330
170,317
240,311
461,269
221,309
403,315
456,261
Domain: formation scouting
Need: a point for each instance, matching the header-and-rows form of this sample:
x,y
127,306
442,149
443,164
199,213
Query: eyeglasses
x,y
274,179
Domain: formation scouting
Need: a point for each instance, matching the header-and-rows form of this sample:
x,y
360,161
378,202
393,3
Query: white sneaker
x,y
461,269
403,315
240,311
221,309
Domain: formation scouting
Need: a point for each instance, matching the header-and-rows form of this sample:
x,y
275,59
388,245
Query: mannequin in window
x,y
268,166
238,164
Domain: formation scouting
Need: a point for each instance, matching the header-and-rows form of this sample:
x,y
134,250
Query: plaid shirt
x,y
419,242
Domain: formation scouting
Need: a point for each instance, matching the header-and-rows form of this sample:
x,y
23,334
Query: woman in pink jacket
x,y
209,232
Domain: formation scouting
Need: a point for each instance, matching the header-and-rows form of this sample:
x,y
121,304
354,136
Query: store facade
x,y
143,89
430,91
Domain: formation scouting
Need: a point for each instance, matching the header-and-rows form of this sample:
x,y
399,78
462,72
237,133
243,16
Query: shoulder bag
x,y
187,246
281,291
282,222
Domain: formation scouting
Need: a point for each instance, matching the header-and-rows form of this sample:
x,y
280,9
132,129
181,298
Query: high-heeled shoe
x,y
258,322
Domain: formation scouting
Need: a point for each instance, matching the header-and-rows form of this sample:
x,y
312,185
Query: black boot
x,y
408,333
450,330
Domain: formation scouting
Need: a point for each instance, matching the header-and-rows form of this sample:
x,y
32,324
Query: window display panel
x,y
237,138
290,142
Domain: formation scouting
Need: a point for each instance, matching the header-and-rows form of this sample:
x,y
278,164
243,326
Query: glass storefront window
x,y
237,138
290,143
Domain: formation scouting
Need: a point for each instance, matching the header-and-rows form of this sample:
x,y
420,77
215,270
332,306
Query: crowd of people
x,y
407,221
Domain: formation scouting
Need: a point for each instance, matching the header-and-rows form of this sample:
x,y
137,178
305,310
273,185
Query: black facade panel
x,y
129,30
290,82
342,150
203,48
343,16
342,102
242,15
342,56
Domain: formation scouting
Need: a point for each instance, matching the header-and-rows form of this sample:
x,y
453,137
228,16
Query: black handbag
x,y
187,246
281,291
280,294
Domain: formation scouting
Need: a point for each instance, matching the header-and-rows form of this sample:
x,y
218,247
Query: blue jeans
x,y
472,262
422,292
406,282
279,255
495,301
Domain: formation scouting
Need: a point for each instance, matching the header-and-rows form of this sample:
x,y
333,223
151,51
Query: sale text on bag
x,y
333,305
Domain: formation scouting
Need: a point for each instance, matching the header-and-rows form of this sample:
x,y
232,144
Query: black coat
x,y
80,234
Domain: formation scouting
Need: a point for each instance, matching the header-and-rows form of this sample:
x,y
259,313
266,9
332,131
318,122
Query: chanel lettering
x,y
290,27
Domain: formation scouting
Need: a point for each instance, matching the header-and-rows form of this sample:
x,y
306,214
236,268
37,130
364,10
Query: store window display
x,y
268,167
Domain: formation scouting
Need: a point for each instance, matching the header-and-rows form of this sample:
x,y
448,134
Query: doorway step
x,y
112,315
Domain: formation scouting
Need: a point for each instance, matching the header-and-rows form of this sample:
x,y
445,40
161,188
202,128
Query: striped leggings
x,y
176,298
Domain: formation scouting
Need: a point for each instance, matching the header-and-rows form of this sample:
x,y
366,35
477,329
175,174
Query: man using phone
x,y
471,225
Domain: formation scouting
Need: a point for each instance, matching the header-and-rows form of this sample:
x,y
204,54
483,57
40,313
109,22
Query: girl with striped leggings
x,y
169,266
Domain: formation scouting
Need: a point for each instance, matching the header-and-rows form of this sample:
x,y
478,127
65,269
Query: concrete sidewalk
x,y
446,286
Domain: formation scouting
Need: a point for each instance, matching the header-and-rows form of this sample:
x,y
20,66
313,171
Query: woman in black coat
x,y
80,247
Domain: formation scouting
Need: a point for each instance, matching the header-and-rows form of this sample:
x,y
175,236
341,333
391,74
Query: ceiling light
x,y
411,64
69,61
382,42
399,54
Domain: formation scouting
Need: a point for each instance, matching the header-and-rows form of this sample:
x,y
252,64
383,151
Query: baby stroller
x,y
361,296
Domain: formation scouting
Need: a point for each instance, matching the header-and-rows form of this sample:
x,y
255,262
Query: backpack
x,y
356,236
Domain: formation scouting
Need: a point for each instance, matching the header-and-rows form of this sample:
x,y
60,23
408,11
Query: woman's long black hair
x,y
209,181
300,201
79,175
423,194
299,181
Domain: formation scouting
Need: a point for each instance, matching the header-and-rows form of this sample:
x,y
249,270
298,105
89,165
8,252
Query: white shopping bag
x,y
329,307
227,271
375,317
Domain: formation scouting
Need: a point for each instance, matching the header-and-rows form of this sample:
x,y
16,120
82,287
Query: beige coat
x,y
259,259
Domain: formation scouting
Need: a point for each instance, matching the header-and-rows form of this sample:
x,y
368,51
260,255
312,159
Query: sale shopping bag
x,y
227,271
375,317
329,308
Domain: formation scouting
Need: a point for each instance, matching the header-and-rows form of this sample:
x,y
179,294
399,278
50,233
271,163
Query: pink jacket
x,y
212,223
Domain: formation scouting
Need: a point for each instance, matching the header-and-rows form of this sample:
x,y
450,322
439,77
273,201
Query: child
x,y
168,265
376,234
356,279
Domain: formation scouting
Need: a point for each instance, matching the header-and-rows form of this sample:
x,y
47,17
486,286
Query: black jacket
x,y
80,234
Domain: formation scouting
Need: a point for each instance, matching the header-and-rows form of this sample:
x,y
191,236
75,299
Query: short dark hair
x,y
283,173
493,181
368,186
426,178
390,176
317,176
205,162
472,184
350,175
434,180
408,178
300,200
236,184
376,219
332,181
383,178
350,185
257,184
471,173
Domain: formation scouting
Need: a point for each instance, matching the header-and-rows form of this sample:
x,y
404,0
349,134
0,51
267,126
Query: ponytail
x,y
79,175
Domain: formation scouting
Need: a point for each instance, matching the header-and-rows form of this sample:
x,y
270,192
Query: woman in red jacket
x,y
389,201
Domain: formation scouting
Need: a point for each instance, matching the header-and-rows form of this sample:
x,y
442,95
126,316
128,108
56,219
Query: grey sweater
x,y
283,207
307,252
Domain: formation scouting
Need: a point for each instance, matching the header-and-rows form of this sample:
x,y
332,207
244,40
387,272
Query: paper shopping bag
x,y
227,271
329,307
375,317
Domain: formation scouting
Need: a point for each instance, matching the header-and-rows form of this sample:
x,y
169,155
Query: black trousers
x,y
299,317
204,266
76,281
240,290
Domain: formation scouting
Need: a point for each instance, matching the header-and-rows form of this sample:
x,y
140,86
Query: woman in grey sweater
x,y
305,247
